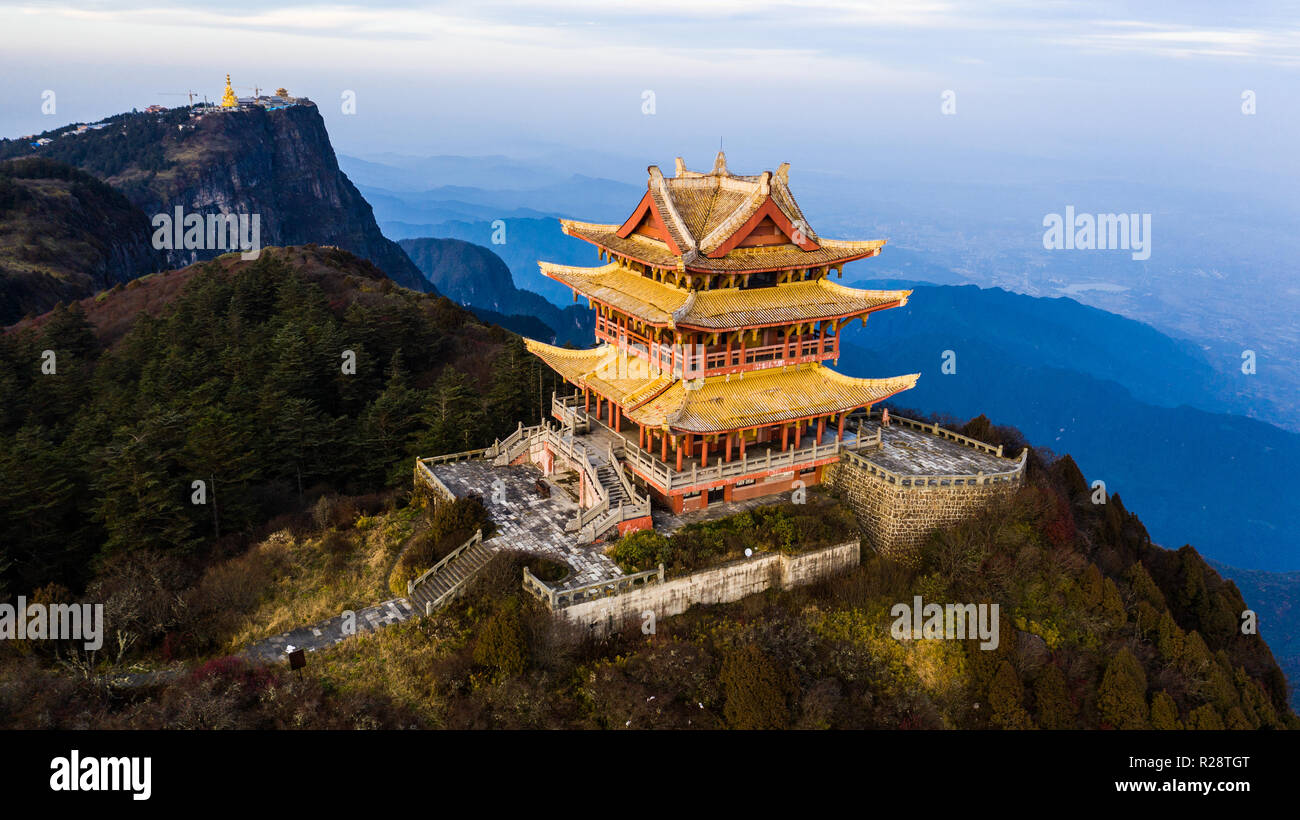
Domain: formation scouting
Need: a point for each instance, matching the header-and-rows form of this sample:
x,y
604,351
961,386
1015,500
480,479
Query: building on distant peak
x,y
715,314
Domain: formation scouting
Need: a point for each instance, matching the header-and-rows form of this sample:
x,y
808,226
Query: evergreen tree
x,y
1144,587
1006,696
144,501
452,418
1205,718
1164,712
1121,698
1055,709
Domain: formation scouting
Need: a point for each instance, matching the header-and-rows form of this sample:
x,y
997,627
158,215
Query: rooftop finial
x,y
681,167
720,164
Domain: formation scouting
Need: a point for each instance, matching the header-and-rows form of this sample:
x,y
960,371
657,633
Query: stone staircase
x,y
608,477
449,578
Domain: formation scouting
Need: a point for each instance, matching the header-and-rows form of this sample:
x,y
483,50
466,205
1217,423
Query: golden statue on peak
x,y
228,99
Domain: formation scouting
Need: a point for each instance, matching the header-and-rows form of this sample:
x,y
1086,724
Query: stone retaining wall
x,y
896,519
720,585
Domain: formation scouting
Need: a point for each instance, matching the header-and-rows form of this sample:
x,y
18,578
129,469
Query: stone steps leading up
x,y
609,479
460,569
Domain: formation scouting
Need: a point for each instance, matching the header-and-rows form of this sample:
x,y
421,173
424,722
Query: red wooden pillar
x,y
840,435
727,457
663,443
785,437
798,434
821,428
678,445
741,434
586,400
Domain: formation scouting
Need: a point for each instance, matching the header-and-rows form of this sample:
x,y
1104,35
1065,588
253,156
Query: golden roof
x,y
718,403
623,289
832,253
721,308
763,397
703,215
627,380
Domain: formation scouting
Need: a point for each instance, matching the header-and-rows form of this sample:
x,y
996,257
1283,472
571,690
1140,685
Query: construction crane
x,y
190,94
256,89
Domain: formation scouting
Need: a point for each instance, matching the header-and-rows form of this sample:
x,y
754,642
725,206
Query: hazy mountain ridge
x,y
475,276
1112,391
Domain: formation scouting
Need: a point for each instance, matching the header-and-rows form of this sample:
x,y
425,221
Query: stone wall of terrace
x,y
921,478
719,585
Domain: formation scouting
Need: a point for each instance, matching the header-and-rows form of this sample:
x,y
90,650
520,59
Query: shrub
x,y
406,570
640,550
756,690
502,644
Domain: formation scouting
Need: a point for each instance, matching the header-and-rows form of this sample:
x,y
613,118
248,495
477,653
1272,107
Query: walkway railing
x,y
943,432
411,586
558,599
966,480
665,476
589,523
424,473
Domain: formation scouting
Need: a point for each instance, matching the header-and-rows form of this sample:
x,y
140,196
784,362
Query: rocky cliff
x,y
278,164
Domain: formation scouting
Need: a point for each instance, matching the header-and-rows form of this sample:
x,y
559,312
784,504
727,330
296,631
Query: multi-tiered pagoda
x,y
715,312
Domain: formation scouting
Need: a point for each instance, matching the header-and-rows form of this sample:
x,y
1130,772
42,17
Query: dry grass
x,y
402,662
285,582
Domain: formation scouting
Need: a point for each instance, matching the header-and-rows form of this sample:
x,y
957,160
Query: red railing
x,y
692,361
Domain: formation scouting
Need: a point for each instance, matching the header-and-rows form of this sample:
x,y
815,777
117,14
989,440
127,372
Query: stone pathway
x,y
527,521
274,649
329,632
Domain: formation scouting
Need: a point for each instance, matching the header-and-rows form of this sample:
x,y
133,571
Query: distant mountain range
x,y
478,278
1142,412
527,241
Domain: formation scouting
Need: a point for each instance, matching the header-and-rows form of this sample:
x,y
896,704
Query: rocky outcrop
x,y
278,164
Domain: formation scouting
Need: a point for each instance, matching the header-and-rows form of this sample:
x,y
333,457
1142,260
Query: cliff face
x,y
474,275
276,164
65,235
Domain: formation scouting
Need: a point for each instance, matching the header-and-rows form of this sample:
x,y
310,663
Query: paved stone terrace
x,y
912,452
528,522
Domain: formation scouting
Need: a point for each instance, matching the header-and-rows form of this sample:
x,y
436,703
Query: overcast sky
x,y
1101,89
